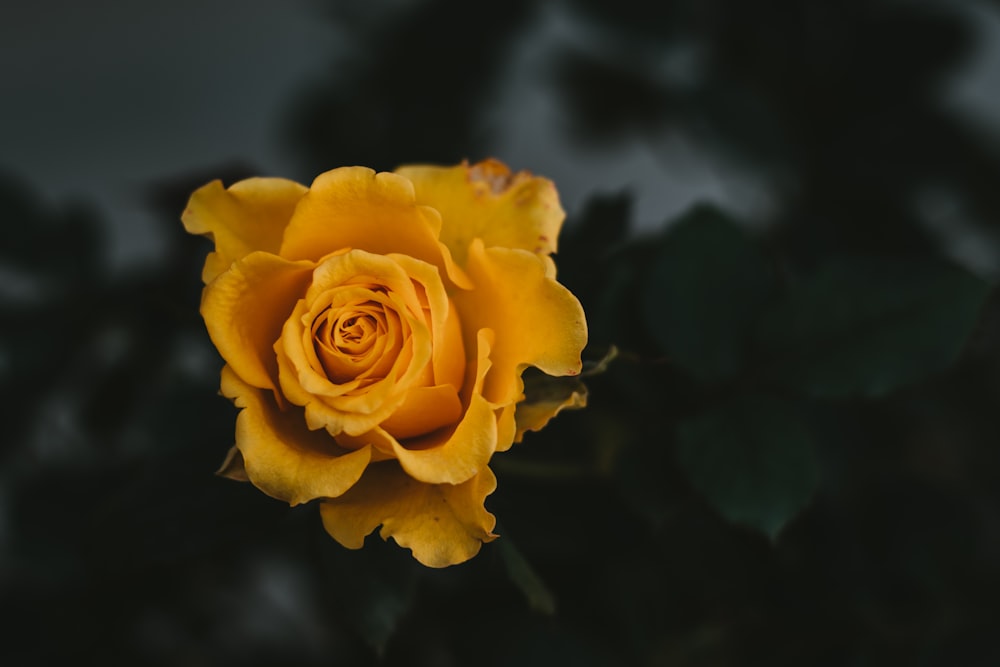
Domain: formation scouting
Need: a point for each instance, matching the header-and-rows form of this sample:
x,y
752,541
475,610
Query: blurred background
x,y
784,215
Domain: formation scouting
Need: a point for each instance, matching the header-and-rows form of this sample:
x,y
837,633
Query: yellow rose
x,y
375,327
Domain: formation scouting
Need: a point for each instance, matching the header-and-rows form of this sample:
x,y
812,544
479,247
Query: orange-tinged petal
x,y
448,457
385,283
506,427
250,215
536,321
347,407
281,456
442,524
424,409
455,456
448,363
449,351
245,308
487,201
355,207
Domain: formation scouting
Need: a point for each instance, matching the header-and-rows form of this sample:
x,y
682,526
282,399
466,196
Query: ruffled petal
x,y
442,524
245,308
281,456
250,215
355,207
506,427
536,321
450,457
487,201
535,415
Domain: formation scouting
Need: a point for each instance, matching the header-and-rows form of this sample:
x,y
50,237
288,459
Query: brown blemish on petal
x,y
497,176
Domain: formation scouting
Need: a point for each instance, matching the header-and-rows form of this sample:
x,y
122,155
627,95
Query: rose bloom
x,y
375,327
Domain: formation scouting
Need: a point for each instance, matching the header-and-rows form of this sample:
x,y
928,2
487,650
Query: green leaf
x,y
867,327
525,577
706,286
752,459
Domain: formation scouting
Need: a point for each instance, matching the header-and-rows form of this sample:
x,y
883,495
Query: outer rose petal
x,y
281,456
486,201
354,207
251,215
245,308
534,416
537,321
442,524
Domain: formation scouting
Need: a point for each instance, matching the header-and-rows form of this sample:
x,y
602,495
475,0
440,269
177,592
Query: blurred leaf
x,y
525,577
613,309
752,459
643,474
545,396
864,328
233,466
593,367
372,589
705,289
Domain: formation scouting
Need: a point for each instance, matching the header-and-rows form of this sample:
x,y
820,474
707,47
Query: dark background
x,y
783,214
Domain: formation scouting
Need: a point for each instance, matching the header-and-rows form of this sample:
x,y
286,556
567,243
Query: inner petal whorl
x,y
354,333
349,339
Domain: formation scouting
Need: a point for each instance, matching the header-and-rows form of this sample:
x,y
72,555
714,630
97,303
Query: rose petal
x,y
353,407
424,409
487,201
450,456
446,328
506,427
245,308
442,524
453,457
449,351
356,406
354,207
250,215
536,321
281,457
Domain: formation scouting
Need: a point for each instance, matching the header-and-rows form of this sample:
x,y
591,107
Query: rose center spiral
x,y
349,340
353,333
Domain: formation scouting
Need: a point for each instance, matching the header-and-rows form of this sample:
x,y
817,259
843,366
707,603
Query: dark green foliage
x,y
703,262
537,594
865,328
753,460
